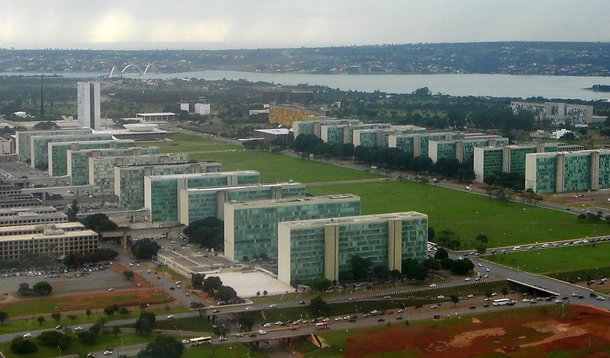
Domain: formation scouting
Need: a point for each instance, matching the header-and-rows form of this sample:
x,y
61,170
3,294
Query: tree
x,y
109,311
145,323
21,345
414,270
128,274
504,291
162,347
320,284
245,321
50,338
461,267
72,317
145,249
318,306
441,254
42,288
361,268
88,312
116,330
56,316
87,337
3,317
455,299
40,320
197,280
211,284
73,211
99,222
208,232
225,293
482,239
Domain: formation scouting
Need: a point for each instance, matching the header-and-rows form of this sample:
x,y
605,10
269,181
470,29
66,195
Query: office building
x,y
286,116
462,149
567,171
203,109
33,209
18,200
88,98
156,117
505,159
40,145
32,218
198,204
251,227
416,144
28,229
560,113
101,168
161,191
24,139
5,146
129,179
78,160
58,152
313,125
53,241
379,137
309,249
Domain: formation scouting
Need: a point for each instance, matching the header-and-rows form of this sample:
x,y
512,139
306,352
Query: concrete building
x,y
416,144
281,134
198,204
567,171
39,228
161,191
58,152
380,137
88,98
560,113
78,160
34,209
101,168
19,200
5,146
310,249
129,179
203,109
286,116
40,145
24,139
156,117
53,241
32,218
462,149
505,159
251,227
313,125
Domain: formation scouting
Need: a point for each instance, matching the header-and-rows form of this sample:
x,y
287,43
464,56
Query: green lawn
x,y
231,350
467,214
180,143
572,258
105,340
281,168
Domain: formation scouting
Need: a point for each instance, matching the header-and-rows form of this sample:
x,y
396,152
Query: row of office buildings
x,y
29,227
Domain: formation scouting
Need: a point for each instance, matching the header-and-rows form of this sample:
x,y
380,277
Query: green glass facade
x,y
40,145
251,228
24,139
546,174
604,170
78,160
58,152
577,172
201,204
161,192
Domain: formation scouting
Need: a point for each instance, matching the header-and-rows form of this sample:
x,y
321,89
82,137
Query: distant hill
x,y
530,58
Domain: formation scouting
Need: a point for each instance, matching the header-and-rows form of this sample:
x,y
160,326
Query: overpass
x,y
535,287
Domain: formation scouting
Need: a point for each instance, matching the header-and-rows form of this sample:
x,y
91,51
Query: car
x,y
108,353
387,297
76,329
253,334
433,307
486,305
473,307
157,331
27,335
59,327
398,318
301,302
248,308
470,295
185,341
267,325
222,339
599,298
350,299
381,320
273,305
262,332
440,297
110,289
433,285
171,316
486,269
90,355
172,288
216,311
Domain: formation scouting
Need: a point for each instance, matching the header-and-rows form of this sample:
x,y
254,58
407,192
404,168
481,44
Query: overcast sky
x,y
217,24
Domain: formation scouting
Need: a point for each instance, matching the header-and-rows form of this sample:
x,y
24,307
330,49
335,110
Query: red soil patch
x,y
137,279
584,328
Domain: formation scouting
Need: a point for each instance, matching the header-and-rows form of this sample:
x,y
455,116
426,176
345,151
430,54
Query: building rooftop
x,y
49,234
156,114
59,226
241,187
274,131
294,201
197,175
407,215
34,209
30,214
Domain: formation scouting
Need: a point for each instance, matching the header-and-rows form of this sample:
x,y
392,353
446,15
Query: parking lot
x,y
74,281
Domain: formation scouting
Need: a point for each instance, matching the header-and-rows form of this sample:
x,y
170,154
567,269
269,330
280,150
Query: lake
x,y
493,85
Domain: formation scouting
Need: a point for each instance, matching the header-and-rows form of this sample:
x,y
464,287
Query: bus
x,y
501,302
201,340
322,325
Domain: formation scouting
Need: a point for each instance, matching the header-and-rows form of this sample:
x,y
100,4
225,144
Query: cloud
x,y
115,26
206,31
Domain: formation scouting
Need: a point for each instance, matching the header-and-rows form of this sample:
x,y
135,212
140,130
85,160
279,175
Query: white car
x,y
433,285
108,353
27,335
273,305
171,316
262,332
76,329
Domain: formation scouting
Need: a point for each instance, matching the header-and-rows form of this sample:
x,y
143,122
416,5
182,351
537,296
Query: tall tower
x,y
89,105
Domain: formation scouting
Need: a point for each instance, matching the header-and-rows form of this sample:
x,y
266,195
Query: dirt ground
x,y
580,199
584,330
